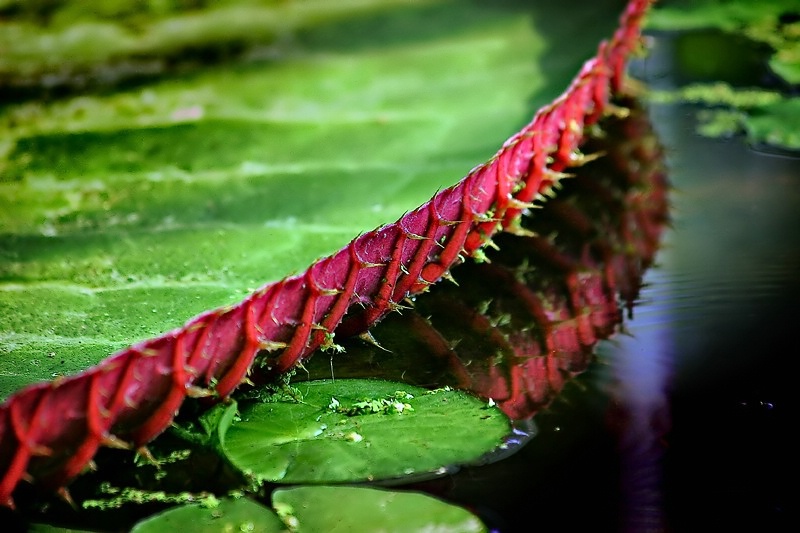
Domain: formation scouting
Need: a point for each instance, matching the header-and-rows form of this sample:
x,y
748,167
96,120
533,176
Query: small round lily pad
x,y
232,514
345,509
358,430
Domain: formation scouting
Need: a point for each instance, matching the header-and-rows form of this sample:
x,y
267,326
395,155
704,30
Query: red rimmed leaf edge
x,y
50,431
518,327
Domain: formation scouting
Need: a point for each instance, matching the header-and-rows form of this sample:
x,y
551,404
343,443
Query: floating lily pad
x,y
231,515
346,509
362,430
123,214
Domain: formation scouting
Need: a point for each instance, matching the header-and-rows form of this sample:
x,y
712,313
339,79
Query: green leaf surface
x,y
125,213
234,515
362,430
59,43
351,509
777,124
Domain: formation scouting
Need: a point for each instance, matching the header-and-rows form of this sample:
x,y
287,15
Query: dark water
x,y
685,423
717,323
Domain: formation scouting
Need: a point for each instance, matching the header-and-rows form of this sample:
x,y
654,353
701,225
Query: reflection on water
x,y
641,365
683,423
712,335
519,328
720,314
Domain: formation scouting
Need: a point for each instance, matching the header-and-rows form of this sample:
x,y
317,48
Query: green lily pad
x,y
362,430
124,214
318,508
234,515
347,509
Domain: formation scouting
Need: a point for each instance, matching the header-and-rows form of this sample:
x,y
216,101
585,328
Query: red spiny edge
x,y
50,431
537,329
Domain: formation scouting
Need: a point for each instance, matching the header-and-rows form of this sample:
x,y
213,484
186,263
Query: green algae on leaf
x,y
120,497
718,94
765,117
332,433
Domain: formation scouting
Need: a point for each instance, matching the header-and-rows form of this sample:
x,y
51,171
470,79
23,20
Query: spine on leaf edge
x,y
50,431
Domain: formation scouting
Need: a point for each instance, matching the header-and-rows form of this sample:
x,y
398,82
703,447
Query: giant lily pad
x,y
122,215
362,430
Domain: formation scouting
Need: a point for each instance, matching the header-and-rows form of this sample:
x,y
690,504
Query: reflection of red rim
x,y
50,431
517,335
